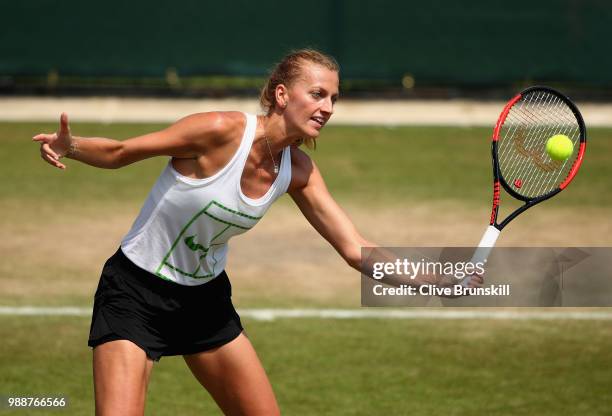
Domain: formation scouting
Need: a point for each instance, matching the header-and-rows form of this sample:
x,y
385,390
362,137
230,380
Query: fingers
x,y
52,161
45,138
47,149
50,156
64,128
475,281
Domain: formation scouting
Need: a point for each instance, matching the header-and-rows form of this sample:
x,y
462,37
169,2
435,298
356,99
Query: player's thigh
x,y
235,378
121,374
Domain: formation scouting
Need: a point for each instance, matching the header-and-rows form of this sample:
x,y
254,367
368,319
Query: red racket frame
x,y
498,178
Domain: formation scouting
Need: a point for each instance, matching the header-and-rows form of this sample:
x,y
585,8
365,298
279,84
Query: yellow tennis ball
x,y
559,147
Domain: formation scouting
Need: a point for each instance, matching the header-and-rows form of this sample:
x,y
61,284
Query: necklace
x,y
271,156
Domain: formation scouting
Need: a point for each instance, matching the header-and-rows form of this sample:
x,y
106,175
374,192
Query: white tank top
x,y
182,231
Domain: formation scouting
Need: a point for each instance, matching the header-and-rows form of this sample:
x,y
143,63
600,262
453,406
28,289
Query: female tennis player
x,y
165,291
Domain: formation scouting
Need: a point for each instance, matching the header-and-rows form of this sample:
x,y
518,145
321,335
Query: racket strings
x,y
537,153
554,167
523,160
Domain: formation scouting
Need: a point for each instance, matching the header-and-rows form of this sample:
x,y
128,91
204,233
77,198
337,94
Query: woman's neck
x,y
273,128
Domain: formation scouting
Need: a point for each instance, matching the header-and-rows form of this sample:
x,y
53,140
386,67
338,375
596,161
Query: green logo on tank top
x,y
193,246
197,258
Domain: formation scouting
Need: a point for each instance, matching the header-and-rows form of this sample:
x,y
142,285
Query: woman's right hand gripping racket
x,y
522,165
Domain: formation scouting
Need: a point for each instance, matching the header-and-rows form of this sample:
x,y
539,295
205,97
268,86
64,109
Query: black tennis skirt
x,y
161,317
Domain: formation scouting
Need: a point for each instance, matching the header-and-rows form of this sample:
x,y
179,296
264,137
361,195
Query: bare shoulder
x,y
303,169
215,128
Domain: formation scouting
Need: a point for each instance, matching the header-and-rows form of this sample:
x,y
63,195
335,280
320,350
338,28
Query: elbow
x,y
117,157
352,256
353,260
115,165
111,164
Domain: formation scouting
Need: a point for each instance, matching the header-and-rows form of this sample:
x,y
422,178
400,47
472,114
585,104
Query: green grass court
x,y
385,164
57,228
351,367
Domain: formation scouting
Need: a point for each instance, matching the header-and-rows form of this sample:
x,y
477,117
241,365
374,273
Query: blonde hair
x,y
287,71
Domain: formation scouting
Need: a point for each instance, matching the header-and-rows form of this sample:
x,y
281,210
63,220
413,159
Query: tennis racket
x,y
521,164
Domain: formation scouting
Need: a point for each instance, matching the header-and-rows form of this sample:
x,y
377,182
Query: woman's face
x,y
310,99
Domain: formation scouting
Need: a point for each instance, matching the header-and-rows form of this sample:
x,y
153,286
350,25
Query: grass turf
x,y
359,367
385,164
351,367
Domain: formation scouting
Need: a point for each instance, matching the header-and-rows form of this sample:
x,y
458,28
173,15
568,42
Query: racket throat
x,y
487,242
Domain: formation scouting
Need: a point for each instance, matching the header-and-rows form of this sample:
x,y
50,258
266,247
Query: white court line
x,y
378,313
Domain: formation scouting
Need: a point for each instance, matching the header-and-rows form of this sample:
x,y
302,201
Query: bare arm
x,y
310,193
186,138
